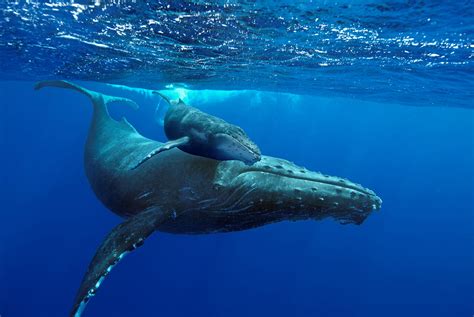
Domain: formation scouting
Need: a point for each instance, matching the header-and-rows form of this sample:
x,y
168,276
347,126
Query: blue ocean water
x,y
402,128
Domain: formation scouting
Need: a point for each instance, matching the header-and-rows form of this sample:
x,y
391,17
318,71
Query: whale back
x,y
111,147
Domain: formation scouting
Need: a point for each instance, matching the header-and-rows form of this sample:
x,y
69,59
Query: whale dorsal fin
x,y
124,238
167,146
168,100
100,101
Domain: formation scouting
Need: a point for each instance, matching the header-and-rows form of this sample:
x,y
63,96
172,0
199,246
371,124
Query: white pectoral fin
x,y
124,238
167,146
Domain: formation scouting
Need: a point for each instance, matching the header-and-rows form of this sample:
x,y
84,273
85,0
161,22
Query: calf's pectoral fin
x,y
124,238
167,146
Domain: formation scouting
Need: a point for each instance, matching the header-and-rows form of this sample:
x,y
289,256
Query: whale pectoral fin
x,y
167,146
124,238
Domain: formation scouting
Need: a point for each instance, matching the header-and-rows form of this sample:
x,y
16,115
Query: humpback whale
x,y
181,193
199,133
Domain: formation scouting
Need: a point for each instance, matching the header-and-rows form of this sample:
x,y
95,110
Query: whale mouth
x,y
252,156
241,148
281,185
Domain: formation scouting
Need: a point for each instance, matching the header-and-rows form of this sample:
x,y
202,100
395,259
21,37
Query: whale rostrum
x,y
178,192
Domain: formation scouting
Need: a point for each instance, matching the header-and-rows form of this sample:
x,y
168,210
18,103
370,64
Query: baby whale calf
x,y
202,134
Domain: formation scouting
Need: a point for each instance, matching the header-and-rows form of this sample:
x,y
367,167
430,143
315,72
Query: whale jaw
x,y
275,190
229,147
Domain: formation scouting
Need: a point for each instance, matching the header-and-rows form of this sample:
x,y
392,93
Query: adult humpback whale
x,y
181,193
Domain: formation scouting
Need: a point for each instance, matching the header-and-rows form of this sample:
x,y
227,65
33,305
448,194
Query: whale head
x,y
234,144
273,190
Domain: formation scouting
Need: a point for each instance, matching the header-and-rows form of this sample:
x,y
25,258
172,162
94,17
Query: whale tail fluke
x,y
64,84
100,101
